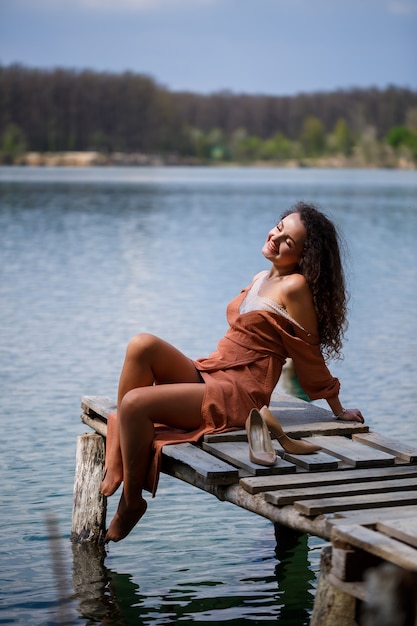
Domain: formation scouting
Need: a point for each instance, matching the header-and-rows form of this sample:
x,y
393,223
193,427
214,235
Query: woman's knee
x,y
141,344
133,405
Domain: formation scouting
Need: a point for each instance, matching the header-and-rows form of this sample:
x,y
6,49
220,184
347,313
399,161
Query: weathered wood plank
x,y
297,431
325,428
320,506
386,444
212,470
292,411
349,564
312,462
289,496
352,452
404,529
100,406
237,453
95,423
231,436
355,590
376,543
370,517
257,484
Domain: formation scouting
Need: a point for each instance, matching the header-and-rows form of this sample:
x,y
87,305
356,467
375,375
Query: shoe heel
x,y
261,450
292,446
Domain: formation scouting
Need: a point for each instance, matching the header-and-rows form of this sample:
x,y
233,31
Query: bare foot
x,y
125,520
111,482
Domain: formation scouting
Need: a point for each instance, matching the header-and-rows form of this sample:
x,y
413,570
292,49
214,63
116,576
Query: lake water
x,y
90,257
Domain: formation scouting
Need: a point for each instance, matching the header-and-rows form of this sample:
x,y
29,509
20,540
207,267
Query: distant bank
x,y
91,159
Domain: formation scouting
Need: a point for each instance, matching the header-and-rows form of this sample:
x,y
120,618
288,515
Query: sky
x,y
276,47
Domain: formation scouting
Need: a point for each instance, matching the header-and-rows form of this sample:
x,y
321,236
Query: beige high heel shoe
x,y
261,450
293,446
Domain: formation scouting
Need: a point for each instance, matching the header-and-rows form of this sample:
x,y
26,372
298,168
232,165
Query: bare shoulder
x,y
298,300
295,286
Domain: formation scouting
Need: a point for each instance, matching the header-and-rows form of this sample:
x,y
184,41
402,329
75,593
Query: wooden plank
x,y
237,453
100,406
257,484
95,423
356,589
319,506
297,431
398,449
312,462
212,470
404,529
352,452
232,435
289,496
378,544
325,428
350,565
370,517
292,411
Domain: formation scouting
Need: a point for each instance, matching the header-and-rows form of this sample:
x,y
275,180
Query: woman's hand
x,y
351,415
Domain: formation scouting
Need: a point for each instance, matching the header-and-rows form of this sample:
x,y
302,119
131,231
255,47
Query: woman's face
x,y
285,243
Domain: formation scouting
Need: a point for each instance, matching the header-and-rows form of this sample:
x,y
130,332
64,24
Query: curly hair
x,y
321,265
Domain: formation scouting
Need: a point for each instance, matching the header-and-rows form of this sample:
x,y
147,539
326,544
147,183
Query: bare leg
x,y
148,360
113,474
177,405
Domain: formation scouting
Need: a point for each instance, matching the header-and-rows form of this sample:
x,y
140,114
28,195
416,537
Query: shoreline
x,y
94,159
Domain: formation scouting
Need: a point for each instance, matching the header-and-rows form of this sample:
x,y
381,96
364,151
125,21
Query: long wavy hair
x,y
321,265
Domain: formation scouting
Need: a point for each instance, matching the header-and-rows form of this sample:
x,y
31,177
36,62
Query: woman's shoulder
x,y
294,285
298,301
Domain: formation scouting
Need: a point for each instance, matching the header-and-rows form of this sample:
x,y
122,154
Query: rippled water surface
x,y
90,257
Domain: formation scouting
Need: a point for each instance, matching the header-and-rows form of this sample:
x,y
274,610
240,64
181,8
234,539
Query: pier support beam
x,y
331,606
89,505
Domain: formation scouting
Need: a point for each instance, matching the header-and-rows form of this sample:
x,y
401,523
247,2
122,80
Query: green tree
x,y
13,143
246,147
343,137
402,136
277,148
313,136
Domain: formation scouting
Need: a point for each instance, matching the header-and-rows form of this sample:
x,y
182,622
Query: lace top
x,y
254,302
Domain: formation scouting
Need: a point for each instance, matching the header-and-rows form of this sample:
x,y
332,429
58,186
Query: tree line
x,y
68,110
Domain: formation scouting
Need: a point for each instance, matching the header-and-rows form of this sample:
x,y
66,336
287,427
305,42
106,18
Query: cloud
x,y
140,5
114,6
403,7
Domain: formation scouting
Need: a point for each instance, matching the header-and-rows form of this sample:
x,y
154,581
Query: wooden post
x,y
89,505
331,606
392,597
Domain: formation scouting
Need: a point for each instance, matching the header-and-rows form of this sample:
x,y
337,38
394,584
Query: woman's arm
x,y
347,415
299,304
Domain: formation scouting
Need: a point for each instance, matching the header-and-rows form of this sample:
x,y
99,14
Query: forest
x,y
130,118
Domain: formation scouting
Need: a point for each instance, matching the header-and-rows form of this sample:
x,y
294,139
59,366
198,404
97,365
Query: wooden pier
x,y
359,492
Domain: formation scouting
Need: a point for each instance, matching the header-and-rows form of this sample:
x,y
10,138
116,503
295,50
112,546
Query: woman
x,y
296,309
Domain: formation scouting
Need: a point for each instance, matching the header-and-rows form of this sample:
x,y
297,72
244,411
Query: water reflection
x,y
294,576
100,593
110,598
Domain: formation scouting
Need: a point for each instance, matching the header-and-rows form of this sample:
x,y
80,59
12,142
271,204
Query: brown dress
x,y
244,370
